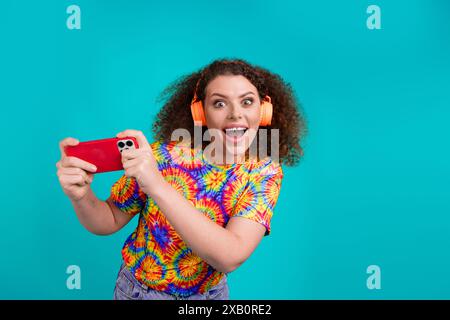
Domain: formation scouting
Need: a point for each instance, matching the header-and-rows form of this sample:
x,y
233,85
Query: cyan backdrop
x,y
372,189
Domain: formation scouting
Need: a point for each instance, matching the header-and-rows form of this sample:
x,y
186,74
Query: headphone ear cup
x,y
198,115
266,112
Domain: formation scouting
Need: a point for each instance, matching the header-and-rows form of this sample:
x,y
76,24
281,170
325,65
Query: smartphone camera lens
x,y
121,144
129,143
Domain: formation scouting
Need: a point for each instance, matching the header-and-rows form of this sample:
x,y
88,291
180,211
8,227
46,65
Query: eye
x,y
219,103
248,101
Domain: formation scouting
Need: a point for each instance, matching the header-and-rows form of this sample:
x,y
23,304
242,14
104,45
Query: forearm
x,y
95,215
210,241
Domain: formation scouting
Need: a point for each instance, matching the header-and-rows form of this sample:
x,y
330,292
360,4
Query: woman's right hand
x,y
73,173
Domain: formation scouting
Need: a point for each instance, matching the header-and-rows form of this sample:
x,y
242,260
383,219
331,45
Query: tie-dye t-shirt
x,y
154,253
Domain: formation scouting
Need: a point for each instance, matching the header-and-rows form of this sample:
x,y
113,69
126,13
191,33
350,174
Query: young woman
x,y
191,203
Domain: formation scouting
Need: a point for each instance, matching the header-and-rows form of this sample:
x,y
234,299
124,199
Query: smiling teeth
x,y
234,129
236,132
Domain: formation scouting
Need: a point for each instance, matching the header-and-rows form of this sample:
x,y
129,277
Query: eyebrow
x,y
224,96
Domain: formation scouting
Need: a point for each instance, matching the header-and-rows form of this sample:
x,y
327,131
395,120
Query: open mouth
x,y
235,132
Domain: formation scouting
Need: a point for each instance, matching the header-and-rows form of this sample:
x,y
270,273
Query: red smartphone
x,y
105,154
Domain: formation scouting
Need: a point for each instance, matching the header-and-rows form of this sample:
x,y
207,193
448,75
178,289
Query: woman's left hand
x,y
140,163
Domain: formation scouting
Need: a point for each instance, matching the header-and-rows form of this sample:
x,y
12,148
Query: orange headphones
x,y
199,115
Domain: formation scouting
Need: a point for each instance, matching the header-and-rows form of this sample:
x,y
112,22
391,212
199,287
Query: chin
x,y
237,150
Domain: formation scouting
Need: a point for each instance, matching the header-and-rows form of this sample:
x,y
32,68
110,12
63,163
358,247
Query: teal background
x,y
373,187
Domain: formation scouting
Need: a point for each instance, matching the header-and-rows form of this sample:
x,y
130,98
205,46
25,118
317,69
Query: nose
x,y
235,112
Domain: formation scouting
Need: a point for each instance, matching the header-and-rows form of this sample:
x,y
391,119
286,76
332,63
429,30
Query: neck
x,y
223,158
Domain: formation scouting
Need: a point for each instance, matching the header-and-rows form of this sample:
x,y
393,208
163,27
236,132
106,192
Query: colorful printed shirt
x,y
154,252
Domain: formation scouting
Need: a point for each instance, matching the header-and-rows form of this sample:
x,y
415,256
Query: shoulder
x,y
176,153
265,168
161,150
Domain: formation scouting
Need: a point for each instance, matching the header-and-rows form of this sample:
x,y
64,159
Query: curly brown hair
x,y
287,112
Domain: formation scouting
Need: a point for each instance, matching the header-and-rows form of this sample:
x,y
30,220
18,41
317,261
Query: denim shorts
x,y
129,288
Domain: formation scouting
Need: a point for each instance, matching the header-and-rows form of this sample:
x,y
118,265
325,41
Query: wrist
x,y
156,187
81,199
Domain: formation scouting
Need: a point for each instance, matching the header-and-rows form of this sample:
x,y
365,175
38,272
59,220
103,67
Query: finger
x,y
131,163
72,179
67,142
75,179
72,171
90,177
130,154
140,137
130,172
134,153
77,162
